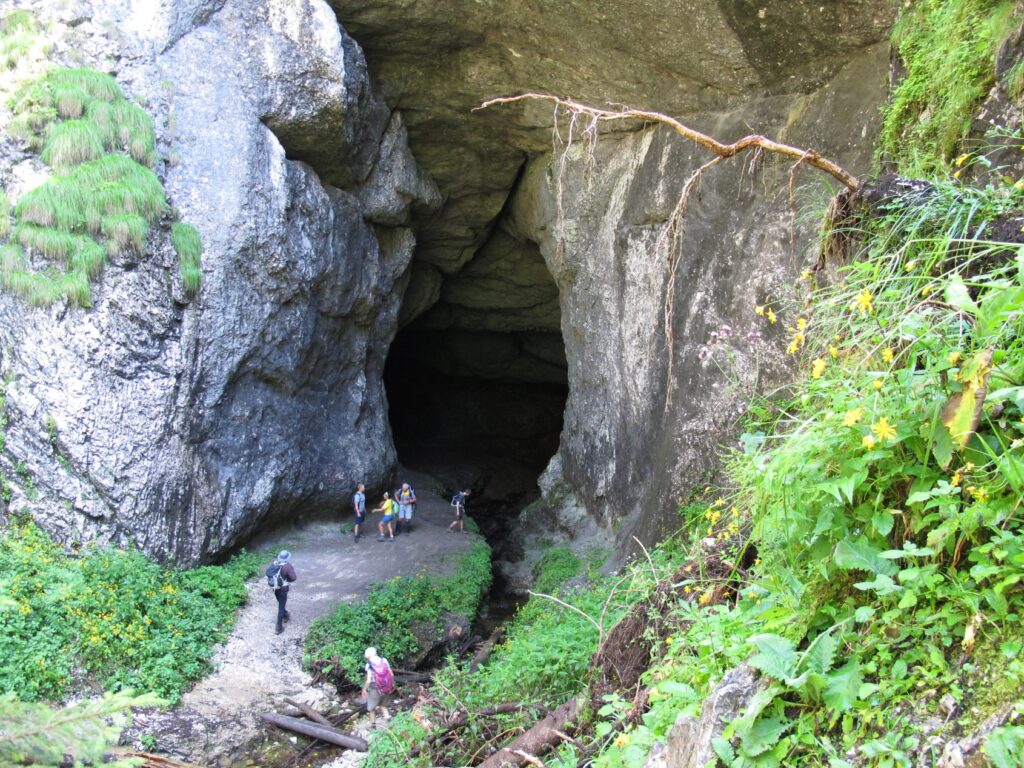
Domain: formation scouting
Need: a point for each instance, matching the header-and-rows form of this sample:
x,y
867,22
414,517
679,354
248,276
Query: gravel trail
x,y
255,669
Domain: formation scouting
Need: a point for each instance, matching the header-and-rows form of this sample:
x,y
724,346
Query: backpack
x,y
458,499
275,579
383,677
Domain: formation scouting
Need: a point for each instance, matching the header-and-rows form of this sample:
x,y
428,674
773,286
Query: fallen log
x,y
484,651
538,739
411,677
316,731
309,712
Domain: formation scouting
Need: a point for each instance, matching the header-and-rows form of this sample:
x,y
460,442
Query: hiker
x,y
380,682
459,503
280,575
406,505
387,509
359,507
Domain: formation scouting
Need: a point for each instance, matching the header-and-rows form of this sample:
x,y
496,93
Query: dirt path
x,y
256,669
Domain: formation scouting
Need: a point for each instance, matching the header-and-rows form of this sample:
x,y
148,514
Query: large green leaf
x,y
1005,747
763,735
862,555
820,654
963,410
776,656
843,685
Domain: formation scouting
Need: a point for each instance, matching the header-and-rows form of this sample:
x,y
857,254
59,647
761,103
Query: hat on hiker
x,y
371,653
285,556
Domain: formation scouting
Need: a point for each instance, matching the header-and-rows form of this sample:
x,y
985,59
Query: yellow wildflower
x,y
887,354
868,442
771,317
980,494
833,351
818,368
852,417
759,310
926,290
877,384
910,265
796,343
883,429
622,740
962,159
863,303
801,323
705,598
805,275
955,479
954,358
968,466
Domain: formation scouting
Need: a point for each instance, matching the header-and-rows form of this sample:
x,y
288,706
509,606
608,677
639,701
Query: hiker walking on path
x,y
459,504
387,508
406,504
359,507
280,575
380,682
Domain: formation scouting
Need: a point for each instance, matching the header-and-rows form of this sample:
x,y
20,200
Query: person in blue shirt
x,y
359,507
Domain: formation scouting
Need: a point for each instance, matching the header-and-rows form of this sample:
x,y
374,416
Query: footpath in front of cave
x,y
218,721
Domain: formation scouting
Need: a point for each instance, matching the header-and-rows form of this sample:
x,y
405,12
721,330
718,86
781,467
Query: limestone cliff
x,y
183,425
187,424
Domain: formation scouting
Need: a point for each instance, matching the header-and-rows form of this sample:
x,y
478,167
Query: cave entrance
x,y
476,377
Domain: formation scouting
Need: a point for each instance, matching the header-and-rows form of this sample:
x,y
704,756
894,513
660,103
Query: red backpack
x,y
383,677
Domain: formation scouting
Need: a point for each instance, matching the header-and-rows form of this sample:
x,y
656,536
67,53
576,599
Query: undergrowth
x,y
884,495
948,48
108,617
393,614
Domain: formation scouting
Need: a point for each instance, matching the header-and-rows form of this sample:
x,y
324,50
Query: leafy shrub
x,y
555,567
109,615
389,615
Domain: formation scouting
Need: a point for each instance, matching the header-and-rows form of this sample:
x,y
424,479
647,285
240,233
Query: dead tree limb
x,y
538,739
150,760
309,712
313,730
809,156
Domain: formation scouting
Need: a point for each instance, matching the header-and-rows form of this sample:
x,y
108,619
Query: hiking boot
x,y
287,616
279,630
382,537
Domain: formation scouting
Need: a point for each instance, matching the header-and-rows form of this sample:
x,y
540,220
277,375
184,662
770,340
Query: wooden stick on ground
x,y
539,738
316,731
309,712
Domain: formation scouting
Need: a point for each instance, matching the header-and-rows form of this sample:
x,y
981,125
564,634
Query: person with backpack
x,y
280,575
459,504
387,508
406,504
380,683
359,507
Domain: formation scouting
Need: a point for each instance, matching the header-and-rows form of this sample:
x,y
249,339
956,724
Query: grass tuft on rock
x,y
189,247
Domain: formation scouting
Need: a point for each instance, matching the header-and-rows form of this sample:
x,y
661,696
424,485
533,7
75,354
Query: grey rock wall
x,y
185,425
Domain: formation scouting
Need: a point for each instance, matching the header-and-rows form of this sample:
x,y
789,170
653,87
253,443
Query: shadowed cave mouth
x,y
476,377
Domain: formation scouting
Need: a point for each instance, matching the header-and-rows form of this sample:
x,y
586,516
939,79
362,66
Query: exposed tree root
x,y
538,739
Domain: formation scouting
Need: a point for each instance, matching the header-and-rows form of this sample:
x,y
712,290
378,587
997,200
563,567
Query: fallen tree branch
x,y
150,760
534,761
309,712
313,730
809,156
538,739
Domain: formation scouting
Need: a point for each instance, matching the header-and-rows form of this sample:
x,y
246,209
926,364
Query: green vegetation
x,y
884,503
948,48
77,735
189,247
387,619
107,616
103,197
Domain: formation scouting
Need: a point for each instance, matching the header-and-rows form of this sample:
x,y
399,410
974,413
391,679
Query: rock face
x,y
651,398
186,425
534,278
